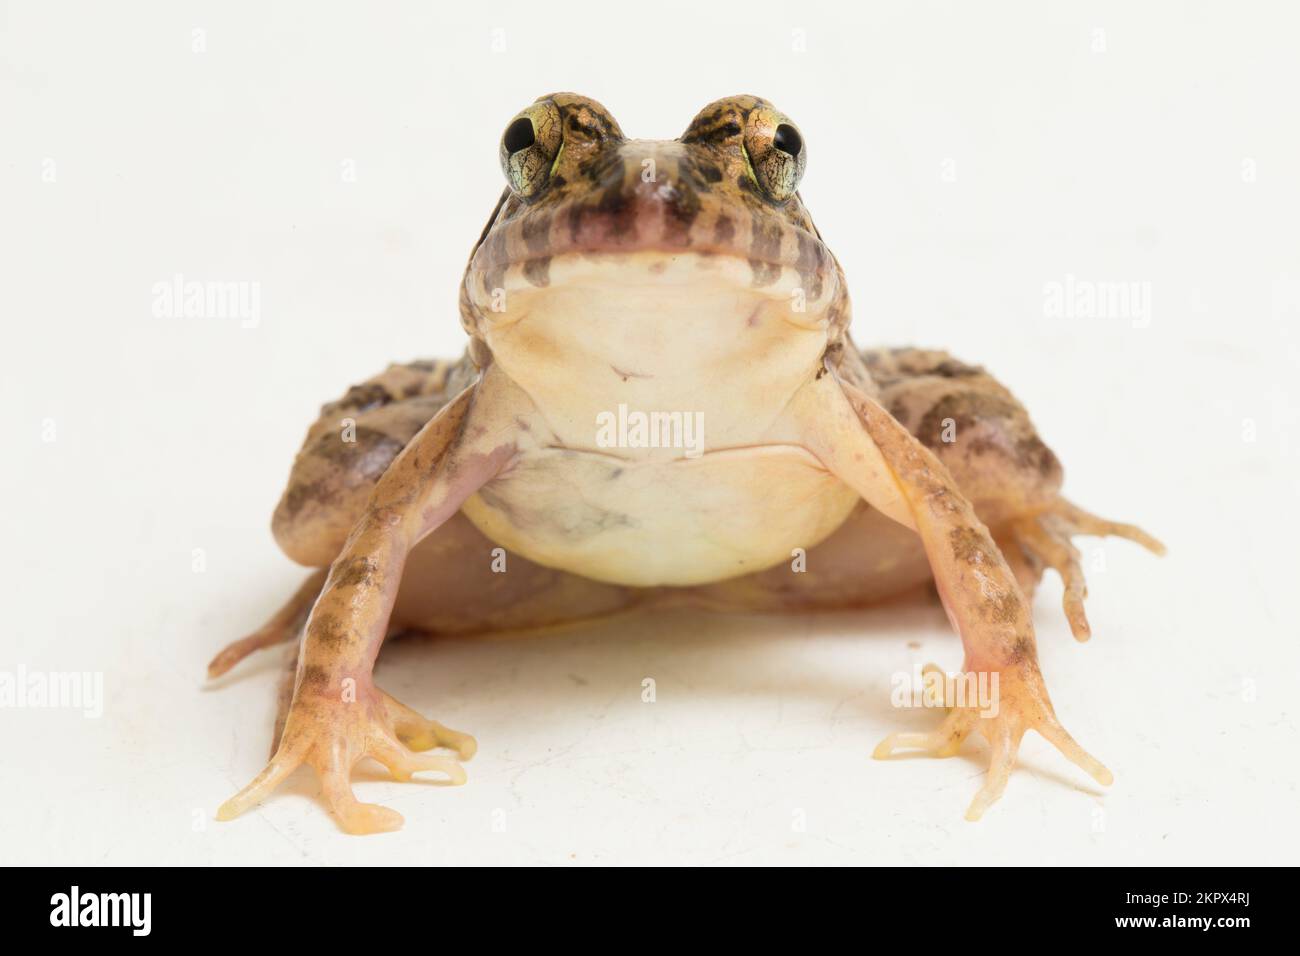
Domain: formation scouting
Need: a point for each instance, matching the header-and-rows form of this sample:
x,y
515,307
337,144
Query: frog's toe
x,y
1005,742
1044,538
420,733
1004,734
944,741
402,762
263,785
234,652
363,818
353,815
284,625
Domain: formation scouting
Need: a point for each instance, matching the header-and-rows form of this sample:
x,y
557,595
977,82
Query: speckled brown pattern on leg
x,y
337,715
856,437
985,604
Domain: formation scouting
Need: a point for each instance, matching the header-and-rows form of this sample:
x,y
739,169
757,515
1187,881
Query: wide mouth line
x,y
616,253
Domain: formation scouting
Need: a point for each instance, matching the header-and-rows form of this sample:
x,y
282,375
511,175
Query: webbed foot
x,y
1018,704
332,735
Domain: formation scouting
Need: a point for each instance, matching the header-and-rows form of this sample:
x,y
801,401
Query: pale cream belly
x,y
668,522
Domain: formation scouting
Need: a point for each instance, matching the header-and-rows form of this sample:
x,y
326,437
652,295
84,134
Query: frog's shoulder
x,y
351,444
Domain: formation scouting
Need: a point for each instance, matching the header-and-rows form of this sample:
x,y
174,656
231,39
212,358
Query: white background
x,y
1170,157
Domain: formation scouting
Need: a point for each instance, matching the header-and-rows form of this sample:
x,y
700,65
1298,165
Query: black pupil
x,y
519,135
787,139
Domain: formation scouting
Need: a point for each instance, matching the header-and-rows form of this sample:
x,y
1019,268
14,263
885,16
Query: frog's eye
x,y
530,148
776,152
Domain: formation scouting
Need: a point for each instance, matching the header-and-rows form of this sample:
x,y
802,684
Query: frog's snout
x,y
644,195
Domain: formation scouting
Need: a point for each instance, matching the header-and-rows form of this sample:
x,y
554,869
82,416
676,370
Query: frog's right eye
x,y
531,147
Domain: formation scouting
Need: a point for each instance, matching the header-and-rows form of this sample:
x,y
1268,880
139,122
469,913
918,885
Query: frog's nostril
x,y
787,139
519,135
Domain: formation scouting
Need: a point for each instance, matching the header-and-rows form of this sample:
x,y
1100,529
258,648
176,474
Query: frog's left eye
x,y
530,148
776,152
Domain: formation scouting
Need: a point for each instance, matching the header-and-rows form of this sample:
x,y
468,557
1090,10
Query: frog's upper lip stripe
x,y
646,269
486,263
649,220
489,267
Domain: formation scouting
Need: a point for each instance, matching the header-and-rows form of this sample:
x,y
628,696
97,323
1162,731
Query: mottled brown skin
x,y
956,486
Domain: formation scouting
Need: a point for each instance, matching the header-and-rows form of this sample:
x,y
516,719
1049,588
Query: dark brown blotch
x,y
328,632
1021,651
368,456
1005,608
724,231
358,572
968,545
315,677
965,409
538,271
359,398
681,209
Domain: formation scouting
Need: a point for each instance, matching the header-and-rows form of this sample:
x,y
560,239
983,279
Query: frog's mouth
x,y
638,246
652,286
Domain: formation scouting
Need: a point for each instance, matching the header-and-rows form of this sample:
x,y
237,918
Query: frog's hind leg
x,y
985,438
347,448
1043,539
284,625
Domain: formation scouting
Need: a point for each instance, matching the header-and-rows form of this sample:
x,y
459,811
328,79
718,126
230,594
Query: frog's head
x,y
629,251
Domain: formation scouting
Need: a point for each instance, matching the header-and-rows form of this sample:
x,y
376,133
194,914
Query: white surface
x,y
174,434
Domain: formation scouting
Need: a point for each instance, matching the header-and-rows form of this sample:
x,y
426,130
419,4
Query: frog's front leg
x,y
869,450
338,716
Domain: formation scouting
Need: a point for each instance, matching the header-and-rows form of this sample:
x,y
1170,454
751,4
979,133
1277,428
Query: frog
x,y
660,404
